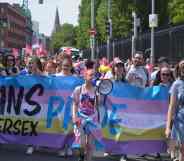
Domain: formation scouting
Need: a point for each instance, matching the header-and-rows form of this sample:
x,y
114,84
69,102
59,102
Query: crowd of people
x,y
135,71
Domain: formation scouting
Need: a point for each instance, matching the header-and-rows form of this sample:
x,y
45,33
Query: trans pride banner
x,y
134,120
37,111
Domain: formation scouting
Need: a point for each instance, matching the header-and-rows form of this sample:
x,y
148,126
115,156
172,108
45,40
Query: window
x,y
2,43
2,10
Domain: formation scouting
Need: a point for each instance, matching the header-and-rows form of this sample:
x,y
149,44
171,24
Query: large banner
x,y
134,119
37,111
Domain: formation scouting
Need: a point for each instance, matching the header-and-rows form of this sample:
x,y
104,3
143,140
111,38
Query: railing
x,y
169,42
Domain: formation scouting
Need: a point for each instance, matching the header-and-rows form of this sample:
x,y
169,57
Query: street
x,y
17,153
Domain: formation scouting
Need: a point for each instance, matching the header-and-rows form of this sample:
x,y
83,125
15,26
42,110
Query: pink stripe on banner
x,y
47,94
139,106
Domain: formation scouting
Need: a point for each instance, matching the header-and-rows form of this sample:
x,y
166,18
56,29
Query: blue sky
x,y
44,14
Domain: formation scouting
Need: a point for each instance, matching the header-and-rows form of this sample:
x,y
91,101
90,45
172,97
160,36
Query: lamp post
x,y
113,48
92,36
134,37
153,22
109,35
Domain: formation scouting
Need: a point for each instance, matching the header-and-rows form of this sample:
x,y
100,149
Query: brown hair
x,y
177,70
38,62
66,57
115,65
52,63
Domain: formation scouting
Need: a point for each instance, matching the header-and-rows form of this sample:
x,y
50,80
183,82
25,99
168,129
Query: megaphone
x,y
104,86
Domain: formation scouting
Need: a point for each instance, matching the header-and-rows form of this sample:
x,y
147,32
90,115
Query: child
x,y
84,114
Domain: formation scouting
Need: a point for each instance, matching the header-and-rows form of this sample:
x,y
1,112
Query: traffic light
x,y
108,27
40,1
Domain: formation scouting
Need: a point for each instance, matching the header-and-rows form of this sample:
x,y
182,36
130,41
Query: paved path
x,y
17,153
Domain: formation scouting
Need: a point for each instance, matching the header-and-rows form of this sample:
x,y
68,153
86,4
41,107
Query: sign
x,y
92,32
153,20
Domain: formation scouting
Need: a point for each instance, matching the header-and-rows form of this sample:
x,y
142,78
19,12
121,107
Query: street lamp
x,y
109,29
92,37
153,22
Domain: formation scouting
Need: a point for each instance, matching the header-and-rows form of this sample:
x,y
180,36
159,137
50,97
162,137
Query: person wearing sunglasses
x,y
175,114
10,65
164,77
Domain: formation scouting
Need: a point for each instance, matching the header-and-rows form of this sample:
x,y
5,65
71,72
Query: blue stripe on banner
x,y
131,92
48,82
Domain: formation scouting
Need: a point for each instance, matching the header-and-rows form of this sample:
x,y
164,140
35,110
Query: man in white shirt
x,y
138,74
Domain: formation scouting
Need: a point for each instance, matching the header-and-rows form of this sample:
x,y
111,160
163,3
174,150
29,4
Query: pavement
x,y
17,153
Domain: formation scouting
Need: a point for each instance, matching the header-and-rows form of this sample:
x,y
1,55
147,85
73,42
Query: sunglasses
x,y
10,59
166,74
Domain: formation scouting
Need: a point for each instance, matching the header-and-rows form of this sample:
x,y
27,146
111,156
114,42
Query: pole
x,y
113,47
109,35
92,27
152,57
134,37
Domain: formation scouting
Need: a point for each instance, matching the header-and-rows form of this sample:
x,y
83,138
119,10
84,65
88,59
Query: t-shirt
x,y
85,100
177,89
137,76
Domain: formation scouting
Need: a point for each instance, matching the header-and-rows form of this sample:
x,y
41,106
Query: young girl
x,y
84,113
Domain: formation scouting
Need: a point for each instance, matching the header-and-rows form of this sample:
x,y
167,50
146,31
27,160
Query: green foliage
x,y
84,24
122,18
101,18
64,37
121,15
176,11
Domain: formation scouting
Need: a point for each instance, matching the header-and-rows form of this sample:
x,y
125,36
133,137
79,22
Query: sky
x,y
45,13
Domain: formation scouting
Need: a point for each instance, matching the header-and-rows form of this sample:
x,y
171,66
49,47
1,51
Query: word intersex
x,y
12,102
20,108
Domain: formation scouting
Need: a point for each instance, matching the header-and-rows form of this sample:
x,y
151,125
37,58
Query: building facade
x,y
14,33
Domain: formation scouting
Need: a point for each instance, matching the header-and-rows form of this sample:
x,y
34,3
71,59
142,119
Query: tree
x,y
176,11
83,36
120,15
66,36
84,24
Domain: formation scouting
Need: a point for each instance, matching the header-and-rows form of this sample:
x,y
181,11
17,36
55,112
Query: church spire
x,y
57,21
